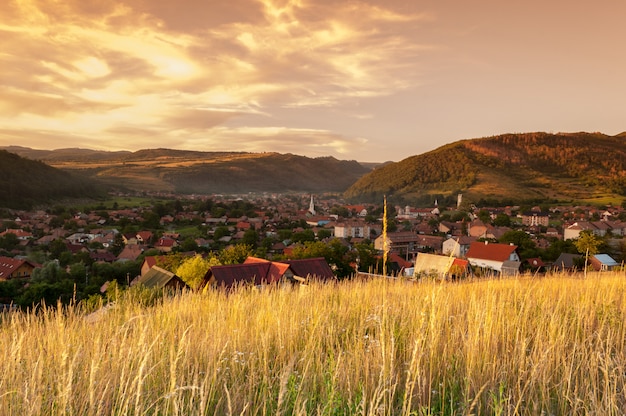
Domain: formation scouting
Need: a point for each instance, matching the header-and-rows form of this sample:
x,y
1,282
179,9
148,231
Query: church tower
x,y
312,206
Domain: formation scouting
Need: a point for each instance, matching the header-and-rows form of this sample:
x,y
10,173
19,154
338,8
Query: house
x,y
12,268
255,273
535,218
165,244
261,272
148,263
535,264
510,268
440,267
477,229
130,252
429,243
359,210
566,262
102,256
160,278
313,268
144,237
130,239
432,265
492,256
457,246
452,228
355,229
603,262
573,231
401,242
18,232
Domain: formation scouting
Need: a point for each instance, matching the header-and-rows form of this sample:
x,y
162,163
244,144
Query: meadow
x,y
531,345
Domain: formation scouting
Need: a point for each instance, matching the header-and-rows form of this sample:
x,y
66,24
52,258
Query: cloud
x,y
165,70
278,139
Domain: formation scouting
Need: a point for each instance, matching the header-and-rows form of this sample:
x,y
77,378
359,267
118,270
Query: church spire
x,y
312,206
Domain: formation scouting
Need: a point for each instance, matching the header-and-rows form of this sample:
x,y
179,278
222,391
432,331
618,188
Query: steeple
x,y
312,206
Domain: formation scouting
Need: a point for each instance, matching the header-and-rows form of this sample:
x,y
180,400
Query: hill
x,y
510,167
27,182
187,171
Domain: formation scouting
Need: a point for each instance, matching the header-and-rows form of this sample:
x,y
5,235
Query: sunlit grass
x,y
553,345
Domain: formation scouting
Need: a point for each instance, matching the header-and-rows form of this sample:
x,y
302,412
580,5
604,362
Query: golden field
x,y
529,346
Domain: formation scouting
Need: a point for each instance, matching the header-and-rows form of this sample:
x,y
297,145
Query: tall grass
x,y
552,345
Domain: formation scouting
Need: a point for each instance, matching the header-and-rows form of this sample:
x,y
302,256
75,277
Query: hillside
x,y
511,167
26,183
186,171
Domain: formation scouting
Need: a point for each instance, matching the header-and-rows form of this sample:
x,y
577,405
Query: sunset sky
x,y
366,80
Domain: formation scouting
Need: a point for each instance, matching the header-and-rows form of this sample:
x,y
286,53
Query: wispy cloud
x,y
129,74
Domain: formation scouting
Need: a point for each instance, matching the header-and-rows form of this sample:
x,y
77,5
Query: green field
x,y
553,345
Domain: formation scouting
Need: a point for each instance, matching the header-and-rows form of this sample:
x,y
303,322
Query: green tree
x,y
302,236
151,220
366,256
526,245
189,244
251,237
484,216
56,247
335,252
236,254
323,234
587,243
193,269
502,220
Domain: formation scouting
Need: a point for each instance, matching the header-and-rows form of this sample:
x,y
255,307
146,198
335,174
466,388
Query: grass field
x,y
530,346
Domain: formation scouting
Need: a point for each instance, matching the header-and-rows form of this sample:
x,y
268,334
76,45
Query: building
x,y
12,268
535,218
493,256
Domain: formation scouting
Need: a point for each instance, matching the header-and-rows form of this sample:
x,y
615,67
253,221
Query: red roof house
x,y
11,268
491,255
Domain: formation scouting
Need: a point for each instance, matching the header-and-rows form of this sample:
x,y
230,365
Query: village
x,y
47,254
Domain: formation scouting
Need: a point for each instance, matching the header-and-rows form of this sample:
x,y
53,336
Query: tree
x,y
250,237
526,245
303,236
484,216
335,252
366,256
189,244
323,234
502,220
587,243
236,254
9,241
193,270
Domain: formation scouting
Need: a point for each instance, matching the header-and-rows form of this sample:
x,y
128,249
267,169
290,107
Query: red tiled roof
x,y
165,242
491,251
401,262
9,265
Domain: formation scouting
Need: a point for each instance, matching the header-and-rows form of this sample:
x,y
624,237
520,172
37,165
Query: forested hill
x,y
27,182
510,167
188,171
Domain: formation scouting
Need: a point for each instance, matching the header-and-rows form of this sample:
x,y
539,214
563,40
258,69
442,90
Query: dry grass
x,y
553,345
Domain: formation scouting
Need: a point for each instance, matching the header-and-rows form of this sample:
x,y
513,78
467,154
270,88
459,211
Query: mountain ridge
x,y
189,171
522,166
535,166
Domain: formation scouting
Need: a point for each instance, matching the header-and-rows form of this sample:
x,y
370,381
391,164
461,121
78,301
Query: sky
x,y
362,80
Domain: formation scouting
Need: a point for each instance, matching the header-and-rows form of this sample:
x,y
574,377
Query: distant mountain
x,y
510,167
187,171
68,154
26,183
